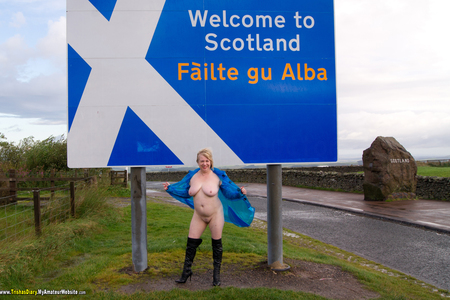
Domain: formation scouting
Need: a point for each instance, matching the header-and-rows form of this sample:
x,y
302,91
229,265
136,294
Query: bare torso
x,y
205,188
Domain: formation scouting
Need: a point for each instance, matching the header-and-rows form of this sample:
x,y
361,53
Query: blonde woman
x,y
215,199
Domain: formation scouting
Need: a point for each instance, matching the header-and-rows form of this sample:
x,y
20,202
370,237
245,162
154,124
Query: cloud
x,y
425,126
393,71
385,43
18,20
33,80
53,45
49,55
16,129
13,52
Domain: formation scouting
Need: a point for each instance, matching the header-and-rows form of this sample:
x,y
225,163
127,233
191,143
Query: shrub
x,y
48,154
29,154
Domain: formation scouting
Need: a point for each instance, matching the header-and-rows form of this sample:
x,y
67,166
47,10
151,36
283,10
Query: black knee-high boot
x,y
191,249
217,257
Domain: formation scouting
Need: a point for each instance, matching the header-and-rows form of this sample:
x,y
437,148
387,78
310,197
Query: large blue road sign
x,y
152,82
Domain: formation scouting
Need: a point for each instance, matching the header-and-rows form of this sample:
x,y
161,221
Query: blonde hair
x,y
206,152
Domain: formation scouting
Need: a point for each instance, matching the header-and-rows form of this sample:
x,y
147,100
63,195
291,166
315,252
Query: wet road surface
x,y
421,253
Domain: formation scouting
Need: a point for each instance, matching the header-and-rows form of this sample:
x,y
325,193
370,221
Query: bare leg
x,y
216,225
197,226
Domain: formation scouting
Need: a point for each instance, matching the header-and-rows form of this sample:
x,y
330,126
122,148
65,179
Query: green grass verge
x,y
433,171
85,254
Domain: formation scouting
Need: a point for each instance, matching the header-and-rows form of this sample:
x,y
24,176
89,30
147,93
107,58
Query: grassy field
x,y
86,252
433,171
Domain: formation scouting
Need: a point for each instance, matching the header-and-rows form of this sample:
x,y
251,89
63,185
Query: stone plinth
x,y
390,172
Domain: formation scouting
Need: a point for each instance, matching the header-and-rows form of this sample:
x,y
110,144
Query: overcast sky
x,y
392,60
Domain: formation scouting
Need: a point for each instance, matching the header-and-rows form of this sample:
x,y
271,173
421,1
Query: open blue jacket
x,y
236,207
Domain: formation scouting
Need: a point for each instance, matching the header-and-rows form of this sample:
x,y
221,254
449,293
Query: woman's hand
x,y
166,185
243,191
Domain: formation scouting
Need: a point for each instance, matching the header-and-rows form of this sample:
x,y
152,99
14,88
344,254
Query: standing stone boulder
x,y
390,172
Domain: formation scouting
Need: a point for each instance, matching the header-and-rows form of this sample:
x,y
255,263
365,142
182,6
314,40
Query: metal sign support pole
x,y
274,218
138,219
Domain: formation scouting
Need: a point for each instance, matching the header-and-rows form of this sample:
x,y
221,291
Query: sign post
x,y
138,219
275,218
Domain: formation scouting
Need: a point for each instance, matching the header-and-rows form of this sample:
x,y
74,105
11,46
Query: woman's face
x,y
203,162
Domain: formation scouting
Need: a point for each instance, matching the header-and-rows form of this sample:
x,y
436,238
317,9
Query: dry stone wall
x,y
434,188
338,178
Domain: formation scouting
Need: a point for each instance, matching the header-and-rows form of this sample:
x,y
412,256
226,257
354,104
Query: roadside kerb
x,y
419,224
416,223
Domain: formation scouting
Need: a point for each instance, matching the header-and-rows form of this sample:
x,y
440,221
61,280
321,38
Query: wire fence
x,y
25,217
15,220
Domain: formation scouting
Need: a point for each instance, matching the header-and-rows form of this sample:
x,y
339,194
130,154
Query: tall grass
x,y
27,256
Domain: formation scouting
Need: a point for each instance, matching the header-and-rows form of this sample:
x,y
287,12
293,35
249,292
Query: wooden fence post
x,y
72,198
52,185
12,185
115,175
37,211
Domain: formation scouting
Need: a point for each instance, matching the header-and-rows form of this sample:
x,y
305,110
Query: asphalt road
x,y
420,253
